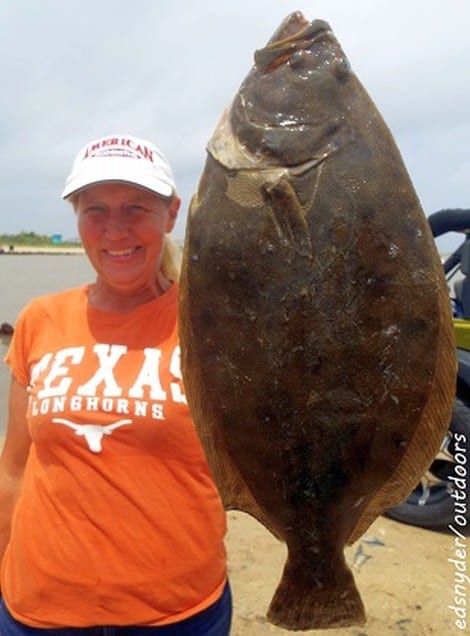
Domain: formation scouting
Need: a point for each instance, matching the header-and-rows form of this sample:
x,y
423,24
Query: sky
x,y
165,70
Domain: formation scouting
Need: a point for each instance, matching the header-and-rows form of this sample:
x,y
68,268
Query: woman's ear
x,y
173,208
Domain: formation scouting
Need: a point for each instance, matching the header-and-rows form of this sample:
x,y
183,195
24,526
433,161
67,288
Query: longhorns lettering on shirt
x,y
143,396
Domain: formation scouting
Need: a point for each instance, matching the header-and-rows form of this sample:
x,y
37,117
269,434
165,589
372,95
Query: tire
x,y
430,504
454,220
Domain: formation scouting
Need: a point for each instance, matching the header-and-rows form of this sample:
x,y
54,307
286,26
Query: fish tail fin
x,y
302,601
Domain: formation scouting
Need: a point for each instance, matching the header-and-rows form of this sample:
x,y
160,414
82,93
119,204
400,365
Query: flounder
x,y
317,342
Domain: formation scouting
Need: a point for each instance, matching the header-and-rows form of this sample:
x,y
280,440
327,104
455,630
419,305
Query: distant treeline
x,y
34,240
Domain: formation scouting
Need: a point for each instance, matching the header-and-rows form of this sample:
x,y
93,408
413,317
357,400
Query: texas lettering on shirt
x,y
55,390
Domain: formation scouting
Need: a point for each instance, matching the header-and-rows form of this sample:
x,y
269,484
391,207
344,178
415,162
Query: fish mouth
x,y
271,123
295,34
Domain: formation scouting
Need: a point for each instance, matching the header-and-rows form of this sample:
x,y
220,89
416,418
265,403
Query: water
x,y
23,277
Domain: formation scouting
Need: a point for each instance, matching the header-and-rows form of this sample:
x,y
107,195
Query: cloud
x,y
165,70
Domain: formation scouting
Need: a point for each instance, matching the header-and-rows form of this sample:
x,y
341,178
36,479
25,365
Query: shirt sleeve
x,y
17,357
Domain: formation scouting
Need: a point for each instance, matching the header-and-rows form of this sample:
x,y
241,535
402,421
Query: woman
x,y
110,522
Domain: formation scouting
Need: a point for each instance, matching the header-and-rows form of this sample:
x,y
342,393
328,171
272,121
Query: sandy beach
x,y
403,575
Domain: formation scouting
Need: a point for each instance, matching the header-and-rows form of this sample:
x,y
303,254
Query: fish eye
x,y
341,69
298,59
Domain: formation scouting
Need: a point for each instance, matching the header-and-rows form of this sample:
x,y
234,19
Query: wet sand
x,y
402,573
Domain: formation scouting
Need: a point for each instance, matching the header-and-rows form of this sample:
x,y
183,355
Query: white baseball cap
x,y
121,158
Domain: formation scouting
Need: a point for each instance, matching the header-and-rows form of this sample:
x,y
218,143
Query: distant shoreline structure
x,y
24,250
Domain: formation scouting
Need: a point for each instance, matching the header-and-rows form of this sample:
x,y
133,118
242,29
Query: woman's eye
x,y
135,209
93,210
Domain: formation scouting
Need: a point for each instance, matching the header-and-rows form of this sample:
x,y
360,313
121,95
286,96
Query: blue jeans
x,y
213,621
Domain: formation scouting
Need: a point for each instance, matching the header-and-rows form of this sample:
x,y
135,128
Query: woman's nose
x,y
116,225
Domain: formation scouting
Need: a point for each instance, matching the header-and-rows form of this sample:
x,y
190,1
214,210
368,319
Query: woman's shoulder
x,y
67,298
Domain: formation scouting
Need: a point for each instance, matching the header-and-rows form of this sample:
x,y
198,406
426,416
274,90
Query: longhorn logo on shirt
x,y
93,433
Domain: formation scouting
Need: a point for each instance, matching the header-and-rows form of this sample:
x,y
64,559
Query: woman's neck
x,y
106,298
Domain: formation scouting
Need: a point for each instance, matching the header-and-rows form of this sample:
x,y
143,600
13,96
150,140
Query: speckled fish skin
x,y
317,342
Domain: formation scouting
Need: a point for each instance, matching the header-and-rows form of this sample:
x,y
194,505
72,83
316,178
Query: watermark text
x,y
458,561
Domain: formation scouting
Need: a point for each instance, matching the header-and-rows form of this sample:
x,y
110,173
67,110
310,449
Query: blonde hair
x,y
171,259
172,252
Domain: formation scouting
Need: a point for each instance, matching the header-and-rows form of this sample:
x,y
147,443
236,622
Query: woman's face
x,y
122,229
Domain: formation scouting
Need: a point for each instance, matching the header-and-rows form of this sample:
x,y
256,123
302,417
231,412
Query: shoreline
x,y
22,250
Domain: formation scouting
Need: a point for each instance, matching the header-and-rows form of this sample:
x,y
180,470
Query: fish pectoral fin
x,y
287,215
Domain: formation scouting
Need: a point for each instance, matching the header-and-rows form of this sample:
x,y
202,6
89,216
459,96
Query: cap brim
x,y
137,178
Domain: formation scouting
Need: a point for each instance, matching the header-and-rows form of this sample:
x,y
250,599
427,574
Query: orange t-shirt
x,y
118,521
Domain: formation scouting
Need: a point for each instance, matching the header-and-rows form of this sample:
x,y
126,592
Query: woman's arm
x,y
13,458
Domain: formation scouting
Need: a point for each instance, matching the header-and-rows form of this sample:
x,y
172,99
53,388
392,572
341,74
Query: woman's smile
x,y
127,252
123,254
